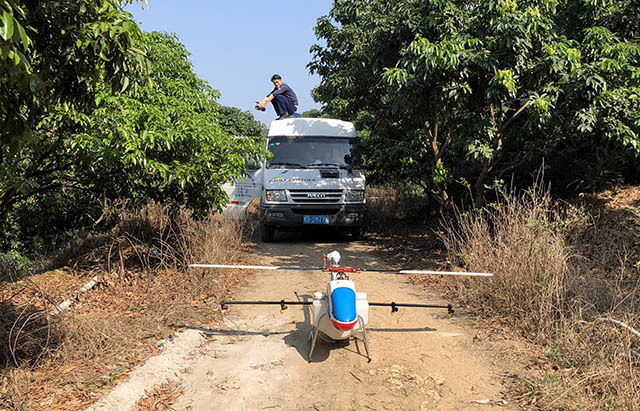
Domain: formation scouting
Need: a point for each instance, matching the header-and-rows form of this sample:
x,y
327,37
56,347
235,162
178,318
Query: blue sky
x,y
238,45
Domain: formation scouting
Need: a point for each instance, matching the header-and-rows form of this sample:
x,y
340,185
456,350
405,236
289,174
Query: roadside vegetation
x,y
56,358
567,279
112,157
460,97
463,103
566,282
126,119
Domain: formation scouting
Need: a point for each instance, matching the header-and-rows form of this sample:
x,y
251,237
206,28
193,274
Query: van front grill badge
x,y
316,195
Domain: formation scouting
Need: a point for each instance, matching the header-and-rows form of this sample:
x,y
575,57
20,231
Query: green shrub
x,y
13,265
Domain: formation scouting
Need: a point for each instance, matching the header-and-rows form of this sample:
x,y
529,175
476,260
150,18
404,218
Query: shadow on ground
x,y
300,337
27,335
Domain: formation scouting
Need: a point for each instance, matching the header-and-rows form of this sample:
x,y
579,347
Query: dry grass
x,y
556,297
145,293
401,226
520,240
389,206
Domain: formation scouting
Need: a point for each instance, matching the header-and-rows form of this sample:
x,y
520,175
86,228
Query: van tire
x,y
356,232
267,233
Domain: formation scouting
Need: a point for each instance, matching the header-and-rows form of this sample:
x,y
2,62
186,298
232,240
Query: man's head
x,y
276,80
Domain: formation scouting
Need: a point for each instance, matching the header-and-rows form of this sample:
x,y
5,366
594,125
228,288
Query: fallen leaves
x,y
161,397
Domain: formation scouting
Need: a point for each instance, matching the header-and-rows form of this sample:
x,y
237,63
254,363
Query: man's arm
x,y
265,101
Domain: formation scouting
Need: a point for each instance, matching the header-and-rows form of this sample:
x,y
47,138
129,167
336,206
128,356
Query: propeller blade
x,y
345,269
256,267
459,273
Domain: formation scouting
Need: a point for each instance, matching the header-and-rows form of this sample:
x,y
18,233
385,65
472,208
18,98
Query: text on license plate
x,y
315,219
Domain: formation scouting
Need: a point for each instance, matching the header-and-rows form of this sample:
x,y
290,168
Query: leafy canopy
x,y
59,52
164,142
471,91
171,142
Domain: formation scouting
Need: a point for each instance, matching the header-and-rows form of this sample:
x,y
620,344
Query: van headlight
x,y
354,196
279,196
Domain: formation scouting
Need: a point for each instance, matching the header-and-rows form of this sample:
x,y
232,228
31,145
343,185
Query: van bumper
x,y
282,215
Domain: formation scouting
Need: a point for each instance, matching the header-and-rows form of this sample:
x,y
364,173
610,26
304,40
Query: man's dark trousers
x,y
283,105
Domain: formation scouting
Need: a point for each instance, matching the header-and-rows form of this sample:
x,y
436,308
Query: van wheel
x,y
267,233
356,232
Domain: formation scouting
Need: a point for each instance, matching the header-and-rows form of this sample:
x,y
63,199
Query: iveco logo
x,y
315,195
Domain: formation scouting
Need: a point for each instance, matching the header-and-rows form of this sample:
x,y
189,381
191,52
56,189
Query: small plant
x,y
516,239
555,352
387,206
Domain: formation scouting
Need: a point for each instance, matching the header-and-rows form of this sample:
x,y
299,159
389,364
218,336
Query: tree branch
x,y
515,115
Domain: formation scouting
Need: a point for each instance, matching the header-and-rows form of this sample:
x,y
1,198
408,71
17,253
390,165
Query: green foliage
x,y
167,142
238,123
482,88
164,142
13,265
58,52
442,175
313,113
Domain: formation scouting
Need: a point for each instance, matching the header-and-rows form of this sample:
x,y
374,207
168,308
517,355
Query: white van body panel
x,y
241,192
311,127
311,179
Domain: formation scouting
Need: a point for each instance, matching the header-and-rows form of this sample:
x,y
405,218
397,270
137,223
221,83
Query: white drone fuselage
x,y
340,312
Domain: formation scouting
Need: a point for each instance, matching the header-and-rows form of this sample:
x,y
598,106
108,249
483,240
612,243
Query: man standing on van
x,y
282,97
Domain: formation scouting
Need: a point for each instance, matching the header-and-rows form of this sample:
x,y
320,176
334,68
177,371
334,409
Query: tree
x,y
58,52
598,102
313,113
238,123
164,142
54,57
473,90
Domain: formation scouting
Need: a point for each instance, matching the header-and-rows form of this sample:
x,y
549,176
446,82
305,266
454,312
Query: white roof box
x,y
311,127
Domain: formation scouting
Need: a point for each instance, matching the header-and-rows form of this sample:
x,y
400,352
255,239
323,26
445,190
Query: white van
x,y
306,183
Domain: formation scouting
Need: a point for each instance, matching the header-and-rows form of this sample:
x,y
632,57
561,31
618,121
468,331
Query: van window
x,y
309,152
253,163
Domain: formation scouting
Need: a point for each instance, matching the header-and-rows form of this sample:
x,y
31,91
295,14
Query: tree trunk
x,y
440,193
488,165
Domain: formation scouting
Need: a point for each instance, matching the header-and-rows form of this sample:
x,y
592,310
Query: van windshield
x,y
309,152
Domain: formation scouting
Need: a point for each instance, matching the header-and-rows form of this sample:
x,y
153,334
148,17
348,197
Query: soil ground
x,y
256,358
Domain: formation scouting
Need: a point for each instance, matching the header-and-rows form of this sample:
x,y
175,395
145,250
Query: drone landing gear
x,y
364,337
313,337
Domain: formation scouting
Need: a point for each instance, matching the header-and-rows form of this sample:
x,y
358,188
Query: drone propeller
x,y
342,269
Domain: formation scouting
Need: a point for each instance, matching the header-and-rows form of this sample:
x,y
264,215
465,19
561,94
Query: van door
x,y
242,191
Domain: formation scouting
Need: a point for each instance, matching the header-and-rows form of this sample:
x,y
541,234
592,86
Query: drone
x,y
339,313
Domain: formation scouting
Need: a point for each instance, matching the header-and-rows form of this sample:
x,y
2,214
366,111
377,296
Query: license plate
x,y
315,219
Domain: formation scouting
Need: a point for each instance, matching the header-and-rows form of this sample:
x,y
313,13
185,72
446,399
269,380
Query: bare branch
x,y
515,115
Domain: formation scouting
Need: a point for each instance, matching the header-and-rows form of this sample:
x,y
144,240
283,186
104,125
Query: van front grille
x,y
316,196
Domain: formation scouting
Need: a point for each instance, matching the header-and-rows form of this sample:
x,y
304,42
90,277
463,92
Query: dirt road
x,y
257,358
